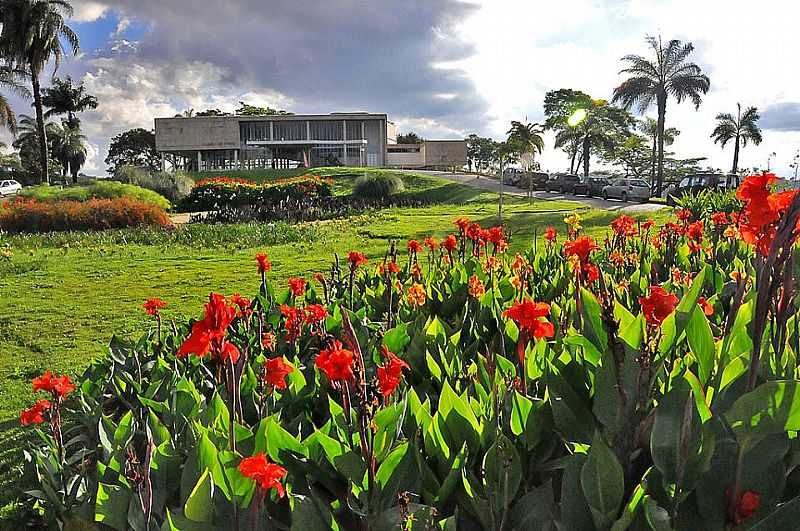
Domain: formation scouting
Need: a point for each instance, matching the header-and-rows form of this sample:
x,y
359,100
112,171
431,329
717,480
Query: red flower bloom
x,y
684,215
269,341
431,243
746,505
391,373
297,286
461,223
264,265
528,316
450,243
293,322
550,234
229,352
336,362
762,210
33,415
275,371
624,226
315,313
266,475
151,306
658,305
495,235
695,231
719,218
707,307
647,225
356,259
209,332
242,302
475,232
414,246
581,247
59,386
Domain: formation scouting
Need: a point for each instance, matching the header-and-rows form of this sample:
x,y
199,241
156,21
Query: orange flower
x,y
450,243
33,415
431,243
390,373
275,372
707,307
269,341
152,306
336,362
475,287
550,234
297,286
658,305
266,475
493,263
209,333
264,265
59,386
416,295
624,226
414,246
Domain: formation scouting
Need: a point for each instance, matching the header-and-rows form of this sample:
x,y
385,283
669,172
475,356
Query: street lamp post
x,y
769,158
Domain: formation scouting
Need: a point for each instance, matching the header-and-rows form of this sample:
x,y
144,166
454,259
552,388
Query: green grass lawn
x,y
63,296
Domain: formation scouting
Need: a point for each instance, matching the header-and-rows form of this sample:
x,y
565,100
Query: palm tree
x,y
65,98
69,147
27,141
526,139
654,81
649,126
10,78
599,130
741,128
30,37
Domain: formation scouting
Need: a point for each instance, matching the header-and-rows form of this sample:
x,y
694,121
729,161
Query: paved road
x,y
492,185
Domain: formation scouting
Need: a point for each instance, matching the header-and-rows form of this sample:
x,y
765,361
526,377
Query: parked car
x,y
9,187
694,183
512,176
626,189
562,182
534,180
591,186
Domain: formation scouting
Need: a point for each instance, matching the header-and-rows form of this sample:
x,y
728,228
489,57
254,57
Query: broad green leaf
x,y
772,407
657,517
311,515
111,507
200,505
593,327
701,343
603,482
502,472
676,437
397,338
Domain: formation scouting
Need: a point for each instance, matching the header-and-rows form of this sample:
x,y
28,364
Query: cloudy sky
x,y
442,68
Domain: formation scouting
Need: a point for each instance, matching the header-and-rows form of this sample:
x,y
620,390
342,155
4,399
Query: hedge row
x,y
220,192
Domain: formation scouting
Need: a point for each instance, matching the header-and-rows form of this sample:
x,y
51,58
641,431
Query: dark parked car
x,y
562,182
694,183
535,180
591,186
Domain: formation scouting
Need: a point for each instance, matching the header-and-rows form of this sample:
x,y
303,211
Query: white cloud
x,y
88,11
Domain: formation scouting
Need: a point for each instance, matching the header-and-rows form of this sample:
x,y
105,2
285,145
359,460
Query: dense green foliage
x,y
377,186
215,193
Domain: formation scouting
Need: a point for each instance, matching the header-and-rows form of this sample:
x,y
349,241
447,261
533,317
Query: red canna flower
x,y
648,224
264,265
293,322
356,259
762,211
684,215
431,243
416,295
275,372
297,286
550,234
152,306
719,218
209,333
269,341
59,386
748,503
391,373
450,243
529,317
414,246
658,305
475,287
336,362
315,313
242,302
33,415
266,475
462,223
581,247
475,232
695,231
707,307
624,226
229,352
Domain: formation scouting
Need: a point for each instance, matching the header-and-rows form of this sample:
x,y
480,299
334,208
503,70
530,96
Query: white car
x,y
9,187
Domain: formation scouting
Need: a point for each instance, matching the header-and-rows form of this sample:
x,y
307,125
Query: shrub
x,y
175,186
32,216
131,174
94,190
223,192
706,202
377,186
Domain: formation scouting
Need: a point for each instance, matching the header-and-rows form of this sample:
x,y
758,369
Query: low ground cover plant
x,y
648,381
94,190
214,193
377,186
174,185
33,216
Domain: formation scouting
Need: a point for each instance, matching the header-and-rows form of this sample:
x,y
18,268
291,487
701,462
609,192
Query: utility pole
x,y
500,205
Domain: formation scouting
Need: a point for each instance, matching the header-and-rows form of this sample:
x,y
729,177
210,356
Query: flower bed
x,y
94,190
223,192
645,382
32,216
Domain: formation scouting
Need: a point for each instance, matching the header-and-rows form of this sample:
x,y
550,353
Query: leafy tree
x,y
480,152
668,73
62,97
252,110
526,140
409,138
632,153
135,147
10,78
742,128
27,143
559,105
69,148
649,127
213,112
30,37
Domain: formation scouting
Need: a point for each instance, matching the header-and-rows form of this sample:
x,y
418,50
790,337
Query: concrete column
x,y
199,161
236,158
308,130
271,132
163,162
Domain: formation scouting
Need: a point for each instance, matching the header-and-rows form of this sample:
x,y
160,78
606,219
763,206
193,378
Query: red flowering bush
x,y
223,192
32,216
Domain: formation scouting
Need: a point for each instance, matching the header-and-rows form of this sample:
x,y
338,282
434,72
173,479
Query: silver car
x,y
635,189
9,187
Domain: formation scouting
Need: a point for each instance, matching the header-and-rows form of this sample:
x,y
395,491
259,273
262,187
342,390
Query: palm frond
x,y
636,92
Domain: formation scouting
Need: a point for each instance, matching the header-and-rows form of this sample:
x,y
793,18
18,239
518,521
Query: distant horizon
x,y
443,69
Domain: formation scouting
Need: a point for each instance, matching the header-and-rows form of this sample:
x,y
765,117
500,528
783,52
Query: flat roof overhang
x,y
304,142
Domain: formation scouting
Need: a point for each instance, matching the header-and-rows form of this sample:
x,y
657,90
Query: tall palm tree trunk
x,y
662,112
572,161
735,155
586,157
653,159
37,101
